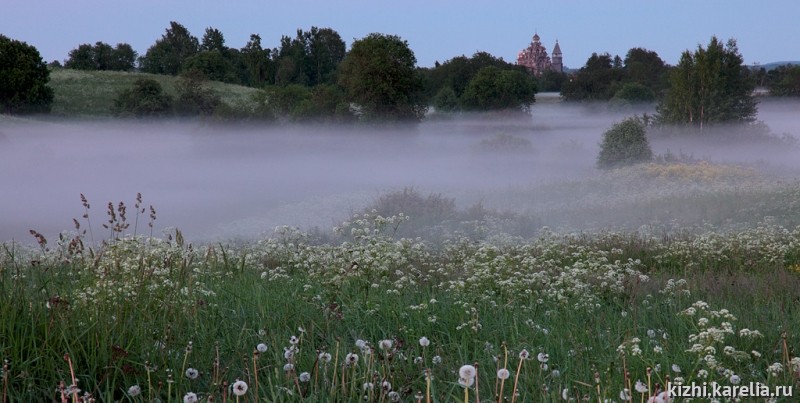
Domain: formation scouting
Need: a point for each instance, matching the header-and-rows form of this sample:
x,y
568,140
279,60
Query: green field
x,y
594,313
84,94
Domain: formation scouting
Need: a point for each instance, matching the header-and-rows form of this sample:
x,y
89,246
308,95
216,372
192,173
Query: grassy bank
x,y
81,93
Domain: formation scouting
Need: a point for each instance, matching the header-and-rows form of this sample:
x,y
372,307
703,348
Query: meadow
x,y
469,258
365,313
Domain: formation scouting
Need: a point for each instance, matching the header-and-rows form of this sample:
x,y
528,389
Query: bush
x,y
633,93
146,98
193,97
625,143
23,78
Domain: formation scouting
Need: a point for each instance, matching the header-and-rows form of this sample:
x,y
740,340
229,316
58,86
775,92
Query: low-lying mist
x,y
217,182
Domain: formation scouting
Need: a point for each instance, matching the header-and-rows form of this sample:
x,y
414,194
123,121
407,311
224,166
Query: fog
x,y
217,182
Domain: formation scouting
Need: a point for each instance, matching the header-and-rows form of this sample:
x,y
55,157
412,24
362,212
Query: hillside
x,y
81,93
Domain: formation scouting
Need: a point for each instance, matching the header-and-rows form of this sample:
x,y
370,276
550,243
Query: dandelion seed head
x,y
192,373
134,390
424,342
239,388
503,373
261,348
542,357
467,371
190,398
304,377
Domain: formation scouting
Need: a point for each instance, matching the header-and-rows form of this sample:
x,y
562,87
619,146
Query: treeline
x,y
312,76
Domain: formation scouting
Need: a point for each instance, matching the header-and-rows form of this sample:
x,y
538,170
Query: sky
x,y
436,30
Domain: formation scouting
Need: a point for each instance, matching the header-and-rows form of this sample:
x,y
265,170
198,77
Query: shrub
x,y
193,97
146,98
625,143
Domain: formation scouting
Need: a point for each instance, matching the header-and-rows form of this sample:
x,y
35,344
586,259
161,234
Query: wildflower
x,y
702,374
294,340
361,344
556,373
368,385
651,333
640,386
417,360
351,359
424,342
503,373
565,394
465,383
261,348
239,388
288,367
542,357
385,345
386,386
524,354
190,398
134,391
394,396
467,372
775,369
437,359
324,357
625,395
676,368
304,377
735,379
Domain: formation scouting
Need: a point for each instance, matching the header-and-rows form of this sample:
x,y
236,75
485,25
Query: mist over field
x,y
222,182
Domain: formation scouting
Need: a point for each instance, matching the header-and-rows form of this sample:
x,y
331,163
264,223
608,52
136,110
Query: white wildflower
x,y
239,388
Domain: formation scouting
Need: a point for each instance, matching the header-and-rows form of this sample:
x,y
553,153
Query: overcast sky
x,y
766,31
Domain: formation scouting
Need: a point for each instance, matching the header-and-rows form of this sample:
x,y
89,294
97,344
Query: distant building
x,y
535,58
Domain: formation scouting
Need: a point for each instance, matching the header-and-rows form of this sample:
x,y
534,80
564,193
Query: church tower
x,y
557,65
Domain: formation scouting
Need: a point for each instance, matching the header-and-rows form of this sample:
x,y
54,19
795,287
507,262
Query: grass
x,y
136,318
84,94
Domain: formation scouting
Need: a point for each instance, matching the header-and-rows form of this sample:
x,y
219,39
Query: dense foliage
x,y
709,86
640,77
785,80
23,78
481,82
145,99
624,143
102,56
169,53
379,75
495,89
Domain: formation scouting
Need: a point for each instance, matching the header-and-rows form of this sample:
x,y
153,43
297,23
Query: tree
x,y
624,143
23,78
326,50
599,79
379,75
169,53
101,56
785,81
145,98
81,58
709,86
213,40
496,89
257,66
645,67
